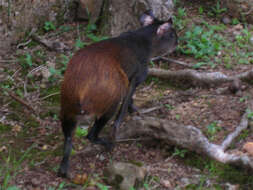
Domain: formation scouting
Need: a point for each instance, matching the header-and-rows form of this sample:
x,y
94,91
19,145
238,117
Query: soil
x,y
39,140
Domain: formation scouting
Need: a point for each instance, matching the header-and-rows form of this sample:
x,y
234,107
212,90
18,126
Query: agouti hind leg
x,y
68,126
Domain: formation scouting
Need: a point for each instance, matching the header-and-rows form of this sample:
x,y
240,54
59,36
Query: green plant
x,y
201,43
58,72
168,106
11,166
201,10
217,9
212,129
60,187
179,152
179,20
235,21
81,132
250,114
181,12
199,64
146,186
102,187
49,26
25,60
79,44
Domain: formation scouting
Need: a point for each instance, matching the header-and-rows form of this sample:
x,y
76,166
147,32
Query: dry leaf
x,y
45,147
80,179
248,147
16,129
3,149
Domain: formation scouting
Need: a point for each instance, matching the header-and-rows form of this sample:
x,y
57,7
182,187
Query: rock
x,y
226,20
232,187
166,183
124,175
248,147
35,181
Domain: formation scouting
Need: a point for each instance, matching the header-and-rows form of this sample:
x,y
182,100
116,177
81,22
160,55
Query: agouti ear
x,y
147,18
162,29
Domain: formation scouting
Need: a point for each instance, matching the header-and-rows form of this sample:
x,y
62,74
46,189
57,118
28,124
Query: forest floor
x,y
31,138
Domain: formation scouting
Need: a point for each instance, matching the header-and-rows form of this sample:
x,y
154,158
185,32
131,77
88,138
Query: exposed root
x,y
197,78
189,137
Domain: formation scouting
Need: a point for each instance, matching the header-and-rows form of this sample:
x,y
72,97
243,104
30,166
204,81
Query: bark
x,y
121,16
18,18
188,137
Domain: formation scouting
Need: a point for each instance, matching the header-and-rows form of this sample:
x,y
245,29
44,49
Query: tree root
x,y
189,137
205,79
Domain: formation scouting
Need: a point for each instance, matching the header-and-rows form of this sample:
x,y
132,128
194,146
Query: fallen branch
x,y
51,46
188,137
43,42
200,78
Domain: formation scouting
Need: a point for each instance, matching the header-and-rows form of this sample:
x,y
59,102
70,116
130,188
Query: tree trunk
x,y
120,15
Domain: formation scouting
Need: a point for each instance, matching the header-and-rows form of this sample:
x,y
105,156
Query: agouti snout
x,y
101,76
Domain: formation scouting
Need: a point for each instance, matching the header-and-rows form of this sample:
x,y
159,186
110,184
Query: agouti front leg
x,y
99,124
139,79
124,107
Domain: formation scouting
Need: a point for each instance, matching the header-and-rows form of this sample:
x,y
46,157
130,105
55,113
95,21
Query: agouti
x,y
101,76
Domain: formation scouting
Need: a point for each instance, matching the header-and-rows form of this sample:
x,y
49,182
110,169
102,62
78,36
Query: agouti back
x,y
101,76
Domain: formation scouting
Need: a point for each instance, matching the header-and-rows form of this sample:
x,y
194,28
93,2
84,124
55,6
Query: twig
x,y
8,61
181,63
43,42
127,140
144,111
23,44
23,102
2,119
53,94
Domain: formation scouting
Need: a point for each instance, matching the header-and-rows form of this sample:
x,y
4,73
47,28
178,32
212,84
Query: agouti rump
x,y
101,76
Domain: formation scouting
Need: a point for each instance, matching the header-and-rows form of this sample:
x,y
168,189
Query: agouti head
x,y
103,76
164,39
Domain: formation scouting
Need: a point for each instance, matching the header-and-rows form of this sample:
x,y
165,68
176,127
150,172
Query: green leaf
x,y
79,43
198,65
49,26
102,187
81,132
13,188
28,59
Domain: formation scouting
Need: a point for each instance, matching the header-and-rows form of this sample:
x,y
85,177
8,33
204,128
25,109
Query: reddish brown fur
x,y
93,81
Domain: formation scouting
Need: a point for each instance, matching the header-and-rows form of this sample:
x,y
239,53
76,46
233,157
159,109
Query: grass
x,y
218,171
11,166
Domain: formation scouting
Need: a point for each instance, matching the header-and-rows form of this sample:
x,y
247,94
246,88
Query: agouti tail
x,y
103,75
